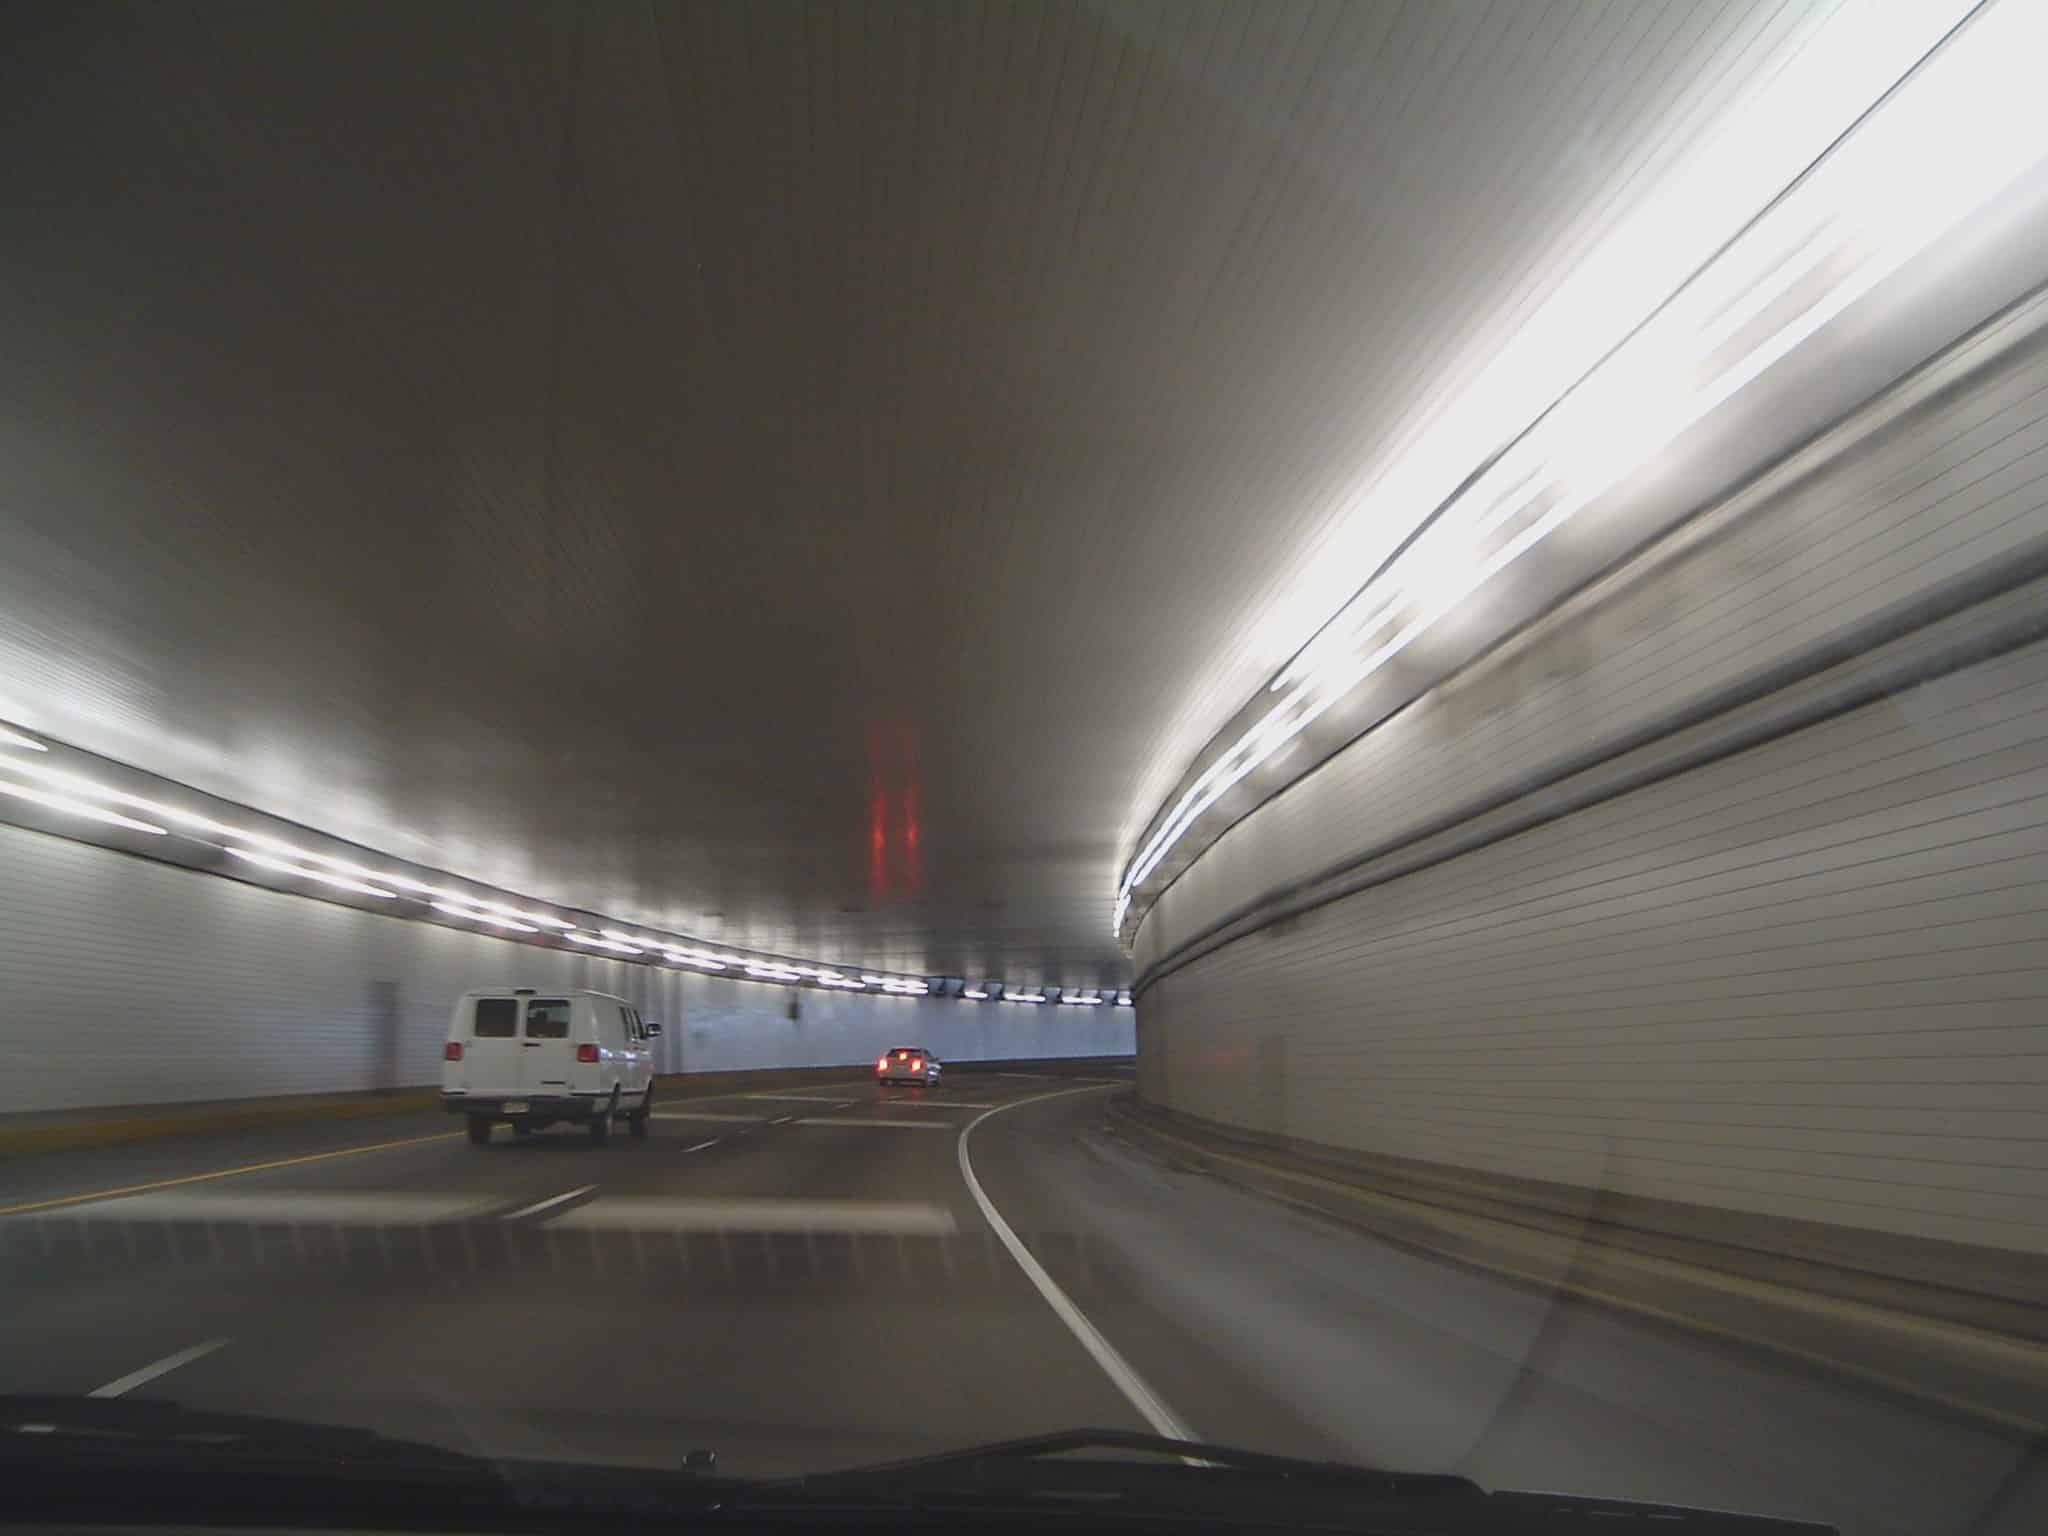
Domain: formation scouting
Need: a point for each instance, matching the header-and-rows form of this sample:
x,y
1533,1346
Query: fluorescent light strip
x,y
277,848
685,957
1892,199
79,784
538,919
454,909
976,993
286,867
72,807
576,936
275,854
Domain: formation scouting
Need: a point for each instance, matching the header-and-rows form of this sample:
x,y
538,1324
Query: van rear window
x,y
547,1018
496,1018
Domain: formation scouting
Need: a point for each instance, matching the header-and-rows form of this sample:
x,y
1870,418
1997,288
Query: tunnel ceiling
x,y
809,476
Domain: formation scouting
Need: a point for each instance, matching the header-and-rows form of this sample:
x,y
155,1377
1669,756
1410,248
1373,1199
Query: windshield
x,y
1411,630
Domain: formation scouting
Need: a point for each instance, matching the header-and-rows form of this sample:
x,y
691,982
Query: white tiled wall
x,y
124,981
1951,477
1808,980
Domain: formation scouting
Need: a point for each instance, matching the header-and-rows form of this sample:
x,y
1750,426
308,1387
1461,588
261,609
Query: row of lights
x,y
76,795
1878,200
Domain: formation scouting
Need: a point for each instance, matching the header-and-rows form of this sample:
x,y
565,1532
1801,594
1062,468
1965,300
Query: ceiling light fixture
x,y
278,855
78,784
286,867
1876,200
72,807
616,946
455,909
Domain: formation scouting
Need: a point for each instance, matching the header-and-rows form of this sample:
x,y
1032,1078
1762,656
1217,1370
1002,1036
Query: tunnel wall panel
x,y
1725,884
129,982
1942,481
1809,981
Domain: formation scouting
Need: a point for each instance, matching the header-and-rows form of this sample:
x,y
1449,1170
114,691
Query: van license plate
x,y
514,1106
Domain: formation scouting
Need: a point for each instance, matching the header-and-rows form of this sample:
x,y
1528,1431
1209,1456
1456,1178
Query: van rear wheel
x,y
636,1122
601,1122
479,1130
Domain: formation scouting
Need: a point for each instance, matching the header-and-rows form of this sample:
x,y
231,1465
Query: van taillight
x,y
452,1051
586,1053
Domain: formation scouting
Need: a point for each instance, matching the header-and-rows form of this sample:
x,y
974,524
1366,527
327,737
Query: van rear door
x,y
491,1063
549,1054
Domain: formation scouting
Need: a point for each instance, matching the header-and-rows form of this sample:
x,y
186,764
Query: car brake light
x,y
452,1051
586,1053
917,1065
882,1065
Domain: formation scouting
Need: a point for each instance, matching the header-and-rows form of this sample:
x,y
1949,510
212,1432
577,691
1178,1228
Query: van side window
x,y
631,1021
496,1018
547,1018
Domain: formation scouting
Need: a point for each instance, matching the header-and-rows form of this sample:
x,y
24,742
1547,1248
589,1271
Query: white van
x,y
534,1057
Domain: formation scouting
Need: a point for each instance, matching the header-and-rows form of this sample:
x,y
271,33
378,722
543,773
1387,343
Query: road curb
x,y
1994,1379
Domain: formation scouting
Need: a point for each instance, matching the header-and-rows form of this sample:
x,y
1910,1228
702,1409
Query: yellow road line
x,y
222,1173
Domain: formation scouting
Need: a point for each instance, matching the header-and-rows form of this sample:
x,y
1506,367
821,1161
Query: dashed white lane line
x,y
941,1104
648,1213
894,1125
785,1120
799,1098
702,1145
1119,1370
150,1372
548,1204
689,1114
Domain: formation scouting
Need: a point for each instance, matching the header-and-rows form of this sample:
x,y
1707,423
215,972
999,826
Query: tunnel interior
x,y
1408,641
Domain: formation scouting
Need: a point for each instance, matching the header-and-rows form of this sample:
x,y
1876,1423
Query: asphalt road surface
x,y
829,1275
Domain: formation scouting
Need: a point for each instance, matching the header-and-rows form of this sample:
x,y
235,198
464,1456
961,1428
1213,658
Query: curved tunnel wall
x,y
132,982
1724,884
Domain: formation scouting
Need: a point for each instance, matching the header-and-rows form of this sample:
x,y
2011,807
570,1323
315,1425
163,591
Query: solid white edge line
x,y
547,1204
163,1367
1115,1366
